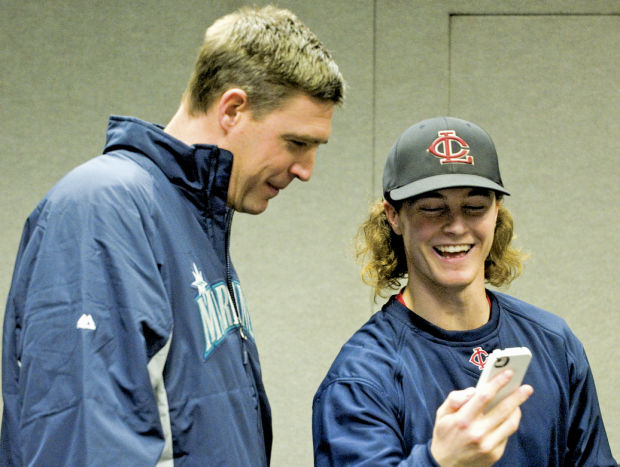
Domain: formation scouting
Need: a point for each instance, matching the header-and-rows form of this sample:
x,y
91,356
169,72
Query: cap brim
x,y
440,182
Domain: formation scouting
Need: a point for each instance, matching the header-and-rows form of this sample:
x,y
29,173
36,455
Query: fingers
x,y
503,420
464,432
470,402
512,402
485,394
455,400
495,439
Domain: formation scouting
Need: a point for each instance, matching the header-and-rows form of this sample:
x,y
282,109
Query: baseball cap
x,y
438,153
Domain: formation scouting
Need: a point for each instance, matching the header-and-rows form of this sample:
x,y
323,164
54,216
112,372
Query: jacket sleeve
x,y
86,313
353,423
587,438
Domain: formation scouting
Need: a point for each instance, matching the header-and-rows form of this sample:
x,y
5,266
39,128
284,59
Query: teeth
x,y
453,248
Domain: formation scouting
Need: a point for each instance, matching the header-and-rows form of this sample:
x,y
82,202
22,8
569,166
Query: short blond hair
x,y
381,253
270,54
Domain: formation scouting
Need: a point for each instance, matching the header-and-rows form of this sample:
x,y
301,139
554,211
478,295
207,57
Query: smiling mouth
x,y
453,251
274,188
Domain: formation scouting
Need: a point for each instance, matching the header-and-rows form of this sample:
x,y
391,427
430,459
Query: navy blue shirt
x,y
378,402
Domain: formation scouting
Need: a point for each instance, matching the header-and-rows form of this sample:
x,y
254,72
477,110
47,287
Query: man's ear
x,y
392,217
231,106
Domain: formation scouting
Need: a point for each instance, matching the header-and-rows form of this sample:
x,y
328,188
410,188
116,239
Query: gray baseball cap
x,y
438,153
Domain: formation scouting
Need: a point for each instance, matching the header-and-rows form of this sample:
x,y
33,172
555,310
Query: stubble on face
x,y
270,152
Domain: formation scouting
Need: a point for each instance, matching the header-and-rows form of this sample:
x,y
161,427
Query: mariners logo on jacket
x,y
217,310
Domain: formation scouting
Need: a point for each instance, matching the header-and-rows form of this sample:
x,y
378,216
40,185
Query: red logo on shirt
x,y
450,148
479,357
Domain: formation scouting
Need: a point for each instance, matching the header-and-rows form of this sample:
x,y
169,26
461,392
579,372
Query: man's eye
x,y
297,143
431,209
473,209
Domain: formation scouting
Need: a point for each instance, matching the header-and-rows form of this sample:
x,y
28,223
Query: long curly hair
x,y
381,253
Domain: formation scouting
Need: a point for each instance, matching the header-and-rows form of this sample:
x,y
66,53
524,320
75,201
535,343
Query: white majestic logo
x,y
86,322
217,310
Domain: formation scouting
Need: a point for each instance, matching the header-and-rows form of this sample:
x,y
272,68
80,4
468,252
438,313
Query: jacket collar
x,y
201,171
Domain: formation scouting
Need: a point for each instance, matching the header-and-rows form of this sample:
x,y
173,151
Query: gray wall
x,y
541,77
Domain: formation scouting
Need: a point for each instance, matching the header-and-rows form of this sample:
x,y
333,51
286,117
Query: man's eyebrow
x,y
305,138
429,194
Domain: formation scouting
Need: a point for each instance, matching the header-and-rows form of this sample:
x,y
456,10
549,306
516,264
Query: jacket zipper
x,y
229,283
231,291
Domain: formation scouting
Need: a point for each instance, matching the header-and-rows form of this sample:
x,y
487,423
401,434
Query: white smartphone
x,y
515,358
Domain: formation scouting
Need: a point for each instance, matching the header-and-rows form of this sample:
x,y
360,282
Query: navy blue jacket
x,y
378,402
127,339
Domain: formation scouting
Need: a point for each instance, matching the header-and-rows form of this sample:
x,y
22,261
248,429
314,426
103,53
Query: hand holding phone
x,y
516,359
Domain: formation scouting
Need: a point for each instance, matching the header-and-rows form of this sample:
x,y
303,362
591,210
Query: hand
x,y
465,435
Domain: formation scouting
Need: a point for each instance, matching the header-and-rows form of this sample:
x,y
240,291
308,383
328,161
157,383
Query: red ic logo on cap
x,y
443,148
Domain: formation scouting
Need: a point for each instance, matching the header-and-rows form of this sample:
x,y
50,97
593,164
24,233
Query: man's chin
x,y
253,208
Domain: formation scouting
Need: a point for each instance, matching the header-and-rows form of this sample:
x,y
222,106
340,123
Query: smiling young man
x,y
447,236
401,391
127,339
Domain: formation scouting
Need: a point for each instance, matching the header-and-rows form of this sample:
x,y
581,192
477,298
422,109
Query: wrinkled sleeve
x,y
86,313
354,423
587,438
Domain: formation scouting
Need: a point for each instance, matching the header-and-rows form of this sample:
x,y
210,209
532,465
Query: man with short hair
x,y
127,338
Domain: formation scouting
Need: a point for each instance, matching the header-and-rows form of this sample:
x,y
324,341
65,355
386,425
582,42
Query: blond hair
x,y
269,54
384,263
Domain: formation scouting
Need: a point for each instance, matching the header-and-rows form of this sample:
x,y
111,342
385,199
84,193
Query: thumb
x,y
456,399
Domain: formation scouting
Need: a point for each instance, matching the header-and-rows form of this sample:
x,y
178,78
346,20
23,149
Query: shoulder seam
x,y
353,379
